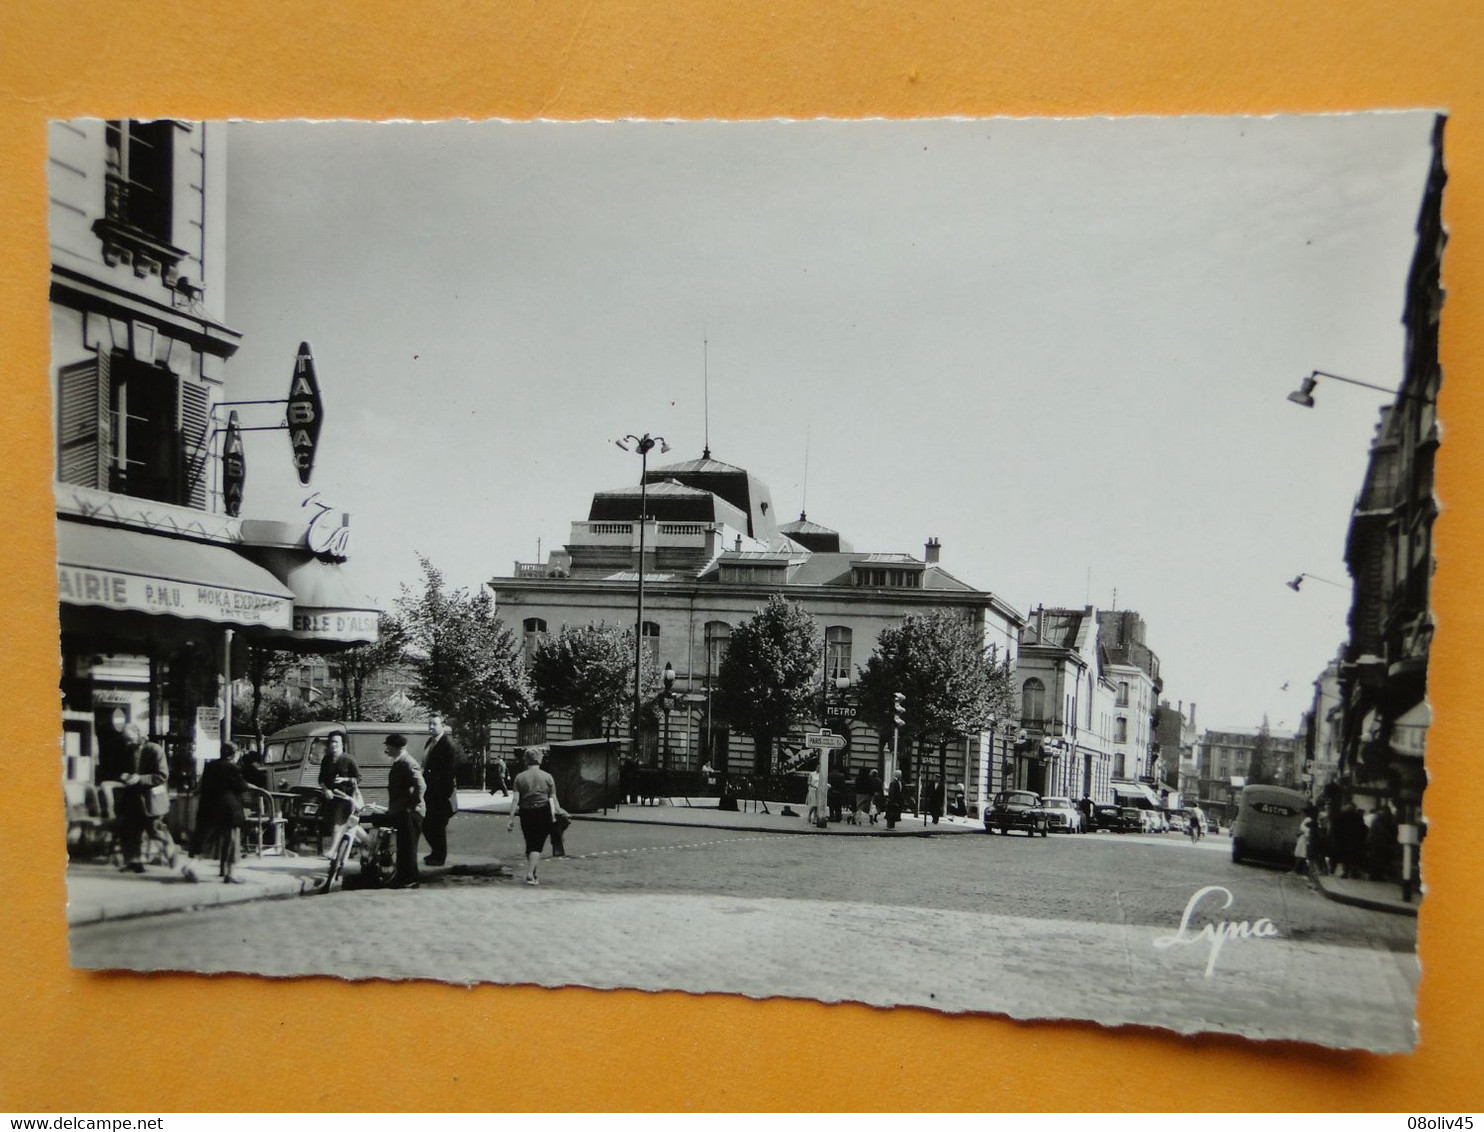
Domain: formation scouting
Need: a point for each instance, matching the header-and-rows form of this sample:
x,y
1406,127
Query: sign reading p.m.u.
x,y
305,413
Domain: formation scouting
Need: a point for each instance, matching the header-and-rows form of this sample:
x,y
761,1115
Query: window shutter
x,y
195,423
83,425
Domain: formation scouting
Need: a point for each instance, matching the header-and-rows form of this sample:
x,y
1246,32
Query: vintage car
x,y
1016,809
1062,814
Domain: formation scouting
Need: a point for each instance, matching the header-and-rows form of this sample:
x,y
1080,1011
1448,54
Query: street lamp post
x,y
665,705
643,445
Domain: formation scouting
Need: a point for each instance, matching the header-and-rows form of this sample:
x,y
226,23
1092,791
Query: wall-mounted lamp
x,y
1304,394
1298,581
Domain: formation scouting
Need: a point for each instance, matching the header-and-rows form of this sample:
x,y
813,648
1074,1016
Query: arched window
x,y
1120,730
837,652
534,633
1032,703
718,633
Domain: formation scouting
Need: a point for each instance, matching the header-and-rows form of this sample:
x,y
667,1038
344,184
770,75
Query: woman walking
x,y
534,798
220,814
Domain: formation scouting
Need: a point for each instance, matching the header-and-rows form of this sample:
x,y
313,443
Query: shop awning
x,y
1137,794
328,606
136,571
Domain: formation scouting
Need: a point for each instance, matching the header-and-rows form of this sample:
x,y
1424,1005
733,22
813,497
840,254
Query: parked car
x,y
1113,819
1062,816
1016,809
1178,822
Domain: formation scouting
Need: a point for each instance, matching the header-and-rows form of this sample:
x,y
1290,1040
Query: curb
x,y
1393,907
805,830
281,888
305,886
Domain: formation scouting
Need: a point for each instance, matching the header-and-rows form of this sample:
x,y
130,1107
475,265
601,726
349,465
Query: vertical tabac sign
x,y
234,467
304,413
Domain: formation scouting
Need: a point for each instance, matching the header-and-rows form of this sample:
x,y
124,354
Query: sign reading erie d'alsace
x,y
336,625
84,585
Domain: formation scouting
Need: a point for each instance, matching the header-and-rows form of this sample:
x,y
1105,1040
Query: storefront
x,y
147,627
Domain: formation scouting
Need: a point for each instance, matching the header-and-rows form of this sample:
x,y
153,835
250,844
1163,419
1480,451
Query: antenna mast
x,y
706,395
804,503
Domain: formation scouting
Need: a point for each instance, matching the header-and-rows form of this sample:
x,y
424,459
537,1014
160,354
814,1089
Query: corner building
x,y
159,582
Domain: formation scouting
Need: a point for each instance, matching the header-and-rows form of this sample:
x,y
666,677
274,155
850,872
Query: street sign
x,y
824,740
839,711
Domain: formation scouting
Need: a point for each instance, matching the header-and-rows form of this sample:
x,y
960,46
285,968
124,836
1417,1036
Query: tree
x,y
355,667
464,660
953,686
265,666
589,672
1260,771
769,675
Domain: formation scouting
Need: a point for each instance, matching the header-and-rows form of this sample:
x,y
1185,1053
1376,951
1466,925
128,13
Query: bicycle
x,y
375,843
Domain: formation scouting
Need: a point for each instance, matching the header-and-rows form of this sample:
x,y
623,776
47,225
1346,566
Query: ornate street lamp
x,y
643,445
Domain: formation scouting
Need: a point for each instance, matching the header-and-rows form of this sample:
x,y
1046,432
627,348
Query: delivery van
x,y
292,756
1267,824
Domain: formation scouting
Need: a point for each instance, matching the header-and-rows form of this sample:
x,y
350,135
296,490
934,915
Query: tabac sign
x,y
305,413
234,467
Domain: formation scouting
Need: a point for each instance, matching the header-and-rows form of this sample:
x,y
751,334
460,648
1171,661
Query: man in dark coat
x,y
406,804
441,757
894,800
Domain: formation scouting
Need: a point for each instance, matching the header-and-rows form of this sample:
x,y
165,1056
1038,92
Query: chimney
x,y
1192,715
931,551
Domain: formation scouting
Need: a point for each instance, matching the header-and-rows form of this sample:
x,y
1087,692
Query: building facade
x,y
160,583
713,552
1068,704
1133,669
1383,670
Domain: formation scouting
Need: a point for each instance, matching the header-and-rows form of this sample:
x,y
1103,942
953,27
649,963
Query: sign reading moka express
x,y
86,585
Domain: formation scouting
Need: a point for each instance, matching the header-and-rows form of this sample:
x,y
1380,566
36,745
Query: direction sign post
x,y
824,741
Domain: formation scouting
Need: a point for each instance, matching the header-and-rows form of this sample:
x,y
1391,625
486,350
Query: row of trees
x,y
467,665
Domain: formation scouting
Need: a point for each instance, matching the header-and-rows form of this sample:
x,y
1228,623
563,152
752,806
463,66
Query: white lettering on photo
x,y
1218,933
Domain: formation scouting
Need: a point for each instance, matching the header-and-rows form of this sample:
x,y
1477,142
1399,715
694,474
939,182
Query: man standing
x,y
406,806
340,780
441,759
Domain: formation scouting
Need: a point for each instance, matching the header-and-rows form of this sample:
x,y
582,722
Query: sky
x,y
1061,347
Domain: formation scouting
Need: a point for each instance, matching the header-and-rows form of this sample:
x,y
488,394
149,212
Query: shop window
x,y
837,640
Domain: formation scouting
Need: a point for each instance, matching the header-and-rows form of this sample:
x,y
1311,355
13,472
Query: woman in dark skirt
x,y
221,810
533,797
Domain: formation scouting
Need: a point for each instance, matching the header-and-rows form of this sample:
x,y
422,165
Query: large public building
x,y
714,550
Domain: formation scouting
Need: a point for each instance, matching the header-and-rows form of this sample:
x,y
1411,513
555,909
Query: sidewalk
x,y
97,890
703,812
1377,895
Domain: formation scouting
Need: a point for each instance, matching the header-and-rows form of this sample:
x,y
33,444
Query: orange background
x,y
79,1042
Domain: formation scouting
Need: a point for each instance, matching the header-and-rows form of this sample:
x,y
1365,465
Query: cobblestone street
x,y
1033,928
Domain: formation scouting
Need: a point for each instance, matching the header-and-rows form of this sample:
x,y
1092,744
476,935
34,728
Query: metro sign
x,y
305,413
